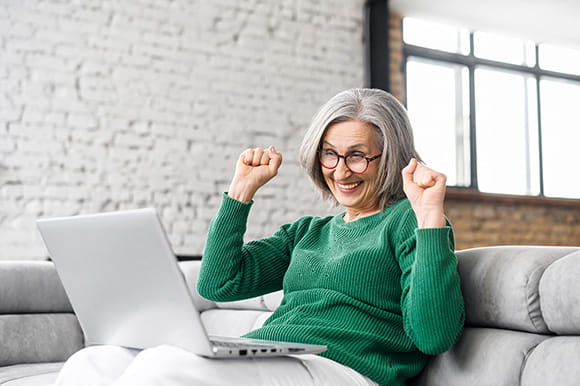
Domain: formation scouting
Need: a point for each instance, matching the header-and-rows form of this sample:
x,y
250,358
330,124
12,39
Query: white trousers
x,y
172,366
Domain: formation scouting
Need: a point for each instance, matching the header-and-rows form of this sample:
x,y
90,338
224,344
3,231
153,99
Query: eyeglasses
x,y
356,162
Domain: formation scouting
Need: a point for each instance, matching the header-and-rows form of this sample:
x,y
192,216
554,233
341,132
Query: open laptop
x,y
126,287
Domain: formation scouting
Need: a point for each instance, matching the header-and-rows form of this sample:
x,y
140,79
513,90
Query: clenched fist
x,y
254,169
425,189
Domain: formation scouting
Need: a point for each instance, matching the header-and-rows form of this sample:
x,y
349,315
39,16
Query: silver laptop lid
x,y
123,280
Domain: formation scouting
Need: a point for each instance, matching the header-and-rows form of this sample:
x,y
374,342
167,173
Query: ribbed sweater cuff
x,y
433,241
230,219
231,209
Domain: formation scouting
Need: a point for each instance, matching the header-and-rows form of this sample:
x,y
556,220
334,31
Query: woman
x,y
377,284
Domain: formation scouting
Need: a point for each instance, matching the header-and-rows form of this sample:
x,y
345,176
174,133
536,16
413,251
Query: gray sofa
x,y
522,328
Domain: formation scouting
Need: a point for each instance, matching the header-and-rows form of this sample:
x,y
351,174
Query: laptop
x,y
126,288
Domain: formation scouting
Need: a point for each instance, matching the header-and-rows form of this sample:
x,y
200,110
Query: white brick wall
x,y
108,105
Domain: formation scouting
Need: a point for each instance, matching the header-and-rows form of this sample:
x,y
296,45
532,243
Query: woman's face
x,y
358,193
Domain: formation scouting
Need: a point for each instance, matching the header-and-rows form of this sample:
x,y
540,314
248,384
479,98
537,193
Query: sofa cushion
x,y
190,271
560,295
500,285
267,302
554,362
34,380
30,374
232,322
481,357
30,338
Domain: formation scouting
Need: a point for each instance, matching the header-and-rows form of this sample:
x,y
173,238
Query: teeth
x,y
349,186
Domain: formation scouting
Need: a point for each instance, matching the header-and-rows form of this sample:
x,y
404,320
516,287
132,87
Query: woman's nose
x,y
341,169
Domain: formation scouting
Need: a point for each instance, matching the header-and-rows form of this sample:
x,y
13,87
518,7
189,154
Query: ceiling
x,y
549,21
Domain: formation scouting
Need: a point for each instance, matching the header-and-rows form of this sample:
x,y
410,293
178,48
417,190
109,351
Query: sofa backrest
x,y
533,289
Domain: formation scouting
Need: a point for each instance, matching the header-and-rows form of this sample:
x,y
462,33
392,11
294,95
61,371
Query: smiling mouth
x,y
348,187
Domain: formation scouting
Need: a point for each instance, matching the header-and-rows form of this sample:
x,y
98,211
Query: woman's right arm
x,y
232,270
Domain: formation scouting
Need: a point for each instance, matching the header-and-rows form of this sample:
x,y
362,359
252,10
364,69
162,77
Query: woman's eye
x,y
357,155
328,152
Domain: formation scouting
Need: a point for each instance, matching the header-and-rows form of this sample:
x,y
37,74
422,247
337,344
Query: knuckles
x,y
259,156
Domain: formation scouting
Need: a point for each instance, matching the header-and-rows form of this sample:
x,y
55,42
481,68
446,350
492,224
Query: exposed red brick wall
x,y
396,78
484,220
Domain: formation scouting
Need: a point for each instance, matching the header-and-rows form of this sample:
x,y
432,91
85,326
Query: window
x,y
494,113
443,117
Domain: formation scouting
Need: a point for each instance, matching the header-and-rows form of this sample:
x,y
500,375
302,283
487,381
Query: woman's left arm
x,y
432,303
425,189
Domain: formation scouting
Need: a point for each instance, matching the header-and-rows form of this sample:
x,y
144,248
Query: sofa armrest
x,y
501,285
37,323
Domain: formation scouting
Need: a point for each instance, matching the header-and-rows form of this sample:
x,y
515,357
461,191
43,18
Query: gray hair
x,y
394,136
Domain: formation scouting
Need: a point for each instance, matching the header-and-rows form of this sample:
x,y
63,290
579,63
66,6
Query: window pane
x,y
436,36
533,139
561,59
437,100
505,130
560,137
503,49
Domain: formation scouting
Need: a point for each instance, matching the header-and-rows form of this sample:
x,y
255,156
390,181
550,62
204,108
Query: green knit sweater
x,y
380,293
